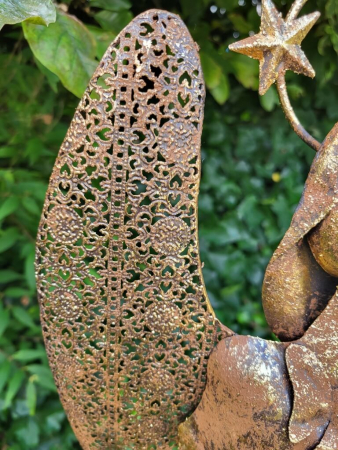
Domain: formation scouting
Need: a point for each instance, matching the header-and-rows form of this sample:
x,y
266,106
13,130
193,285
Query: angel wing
x,y
126,319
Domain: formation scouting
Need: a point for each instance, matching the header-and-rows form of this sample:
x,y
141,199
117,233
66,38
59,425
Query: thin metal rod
x,y
283,93
290,113
295,9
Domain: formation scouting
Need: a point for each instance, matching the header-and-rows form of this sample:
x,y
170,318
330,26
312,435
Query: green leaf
x,y
8,206
29,355
4,320
111,5
29,434
229,5
31,206
246,70
23,316
295,91
222,90
13,387
16,292
43,376
8,238
30,270
36,11
66,48
6,152
113,21
7,276
5,370
211,71
270,99
31,396
240,23
50,76
103,39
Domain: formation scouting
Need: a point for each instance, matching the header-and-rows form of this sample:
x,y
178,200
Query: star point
x,y
278,45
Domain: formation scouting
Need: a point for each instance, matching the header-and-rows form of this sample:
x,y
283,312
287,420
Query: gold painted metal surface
x,y
323,242
247,402
270,395
126,320
291,115
296,288
278,43
278,48
296,274
312,366
283,395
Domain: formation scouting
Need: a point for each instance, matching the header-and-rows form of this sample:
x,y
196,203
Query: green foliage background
x,y
254,168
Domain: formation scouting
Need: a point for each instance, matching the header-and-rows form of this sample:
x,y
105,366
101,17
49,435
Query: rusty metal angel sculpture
x,y
126,318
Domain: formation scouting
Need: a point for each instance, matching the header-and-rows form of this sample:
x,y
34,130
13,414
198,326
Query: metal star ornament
x,y
277,46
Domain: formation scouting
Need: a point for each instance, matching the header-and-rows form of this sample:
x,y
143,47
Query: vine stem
x,y
290,113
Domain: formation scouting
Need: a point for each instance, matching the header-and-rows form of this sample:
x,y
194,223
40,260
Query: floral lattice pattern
x,y
126,320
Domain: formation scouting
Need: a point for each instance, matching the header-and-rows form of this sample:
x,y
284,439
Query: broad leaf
x,y
239,23
7,276
222,90
50,76
103,38
246,71
5,370
13,387
29,355
29,434
8,238
23,316
8,207
270,99
4,319
43,376
211,70
113,21
228,5
66,48
36,11
112,5
31,396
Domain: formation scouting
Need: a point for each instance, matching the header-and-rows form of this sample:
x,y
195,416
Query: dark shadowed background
x,y
254,168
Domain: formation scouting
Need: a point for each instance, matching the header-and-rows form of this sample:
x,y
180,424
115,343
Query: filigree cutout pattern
x,y
126,320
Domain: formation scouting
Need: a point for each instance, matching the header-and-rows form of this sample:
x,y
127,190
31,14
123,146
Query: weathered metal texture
x,y
266,395
296,288
269,395
278,43
299,281
126,320
313,370
324,244
247,401
277,47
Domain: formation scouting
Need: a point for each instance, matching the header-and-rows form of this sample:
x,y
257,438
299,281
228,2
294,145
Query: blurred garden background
x,y
254,168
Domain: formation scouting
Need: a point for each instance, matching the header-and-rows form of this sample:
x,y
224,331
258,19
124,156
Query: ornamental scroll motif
x,y
126,319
